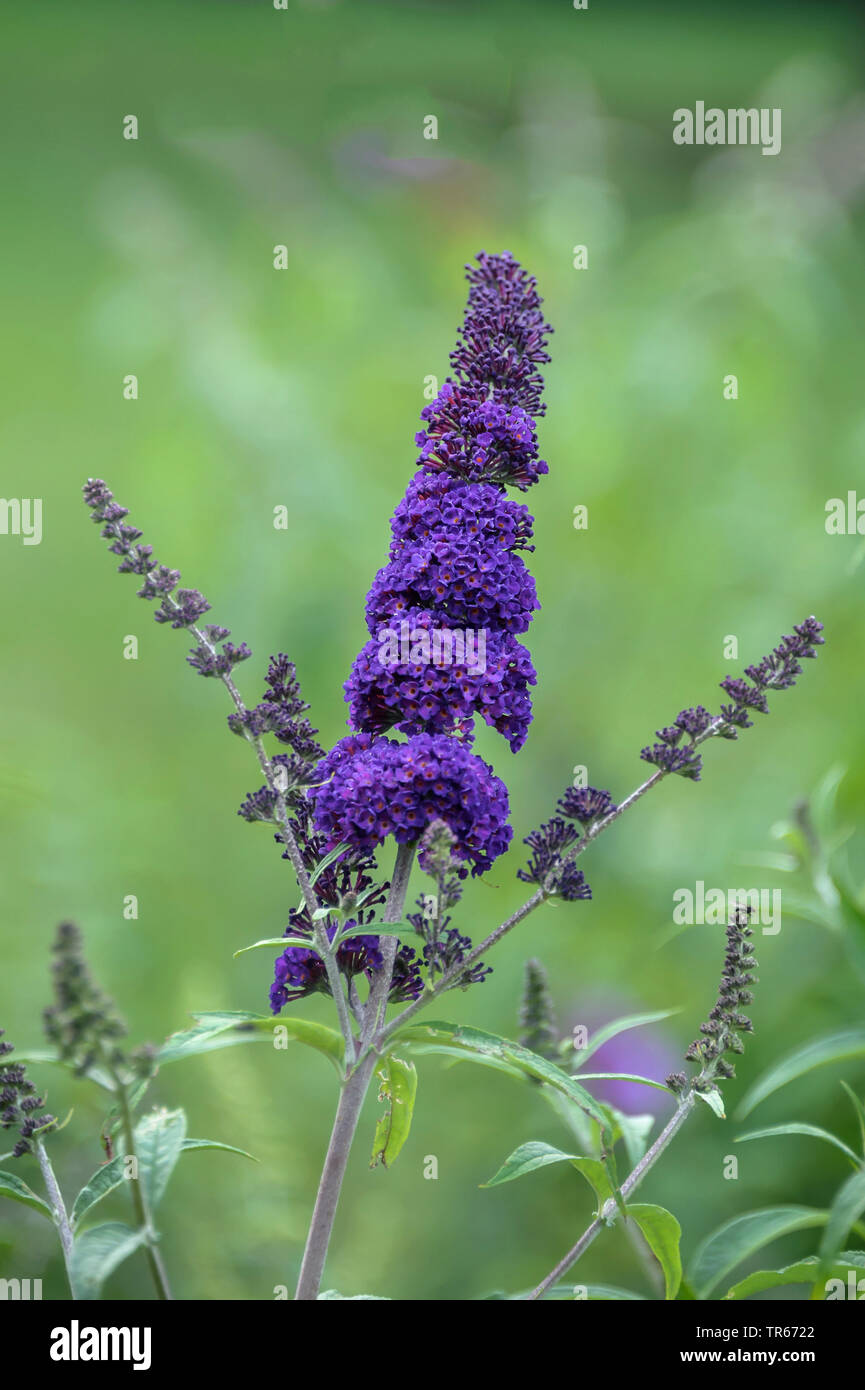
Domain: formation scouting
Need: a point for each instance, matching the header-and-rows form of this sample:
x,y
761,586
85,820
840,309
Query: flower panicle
x,y
721,1034
538,1031
676,748
21,1108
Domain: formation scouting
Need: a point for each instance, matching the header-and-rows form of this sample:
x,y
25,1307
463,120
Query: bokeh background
x,y
302,388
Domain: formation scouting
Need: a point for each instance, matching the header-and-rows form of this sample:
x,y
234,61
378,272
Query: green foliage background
x,y
260,388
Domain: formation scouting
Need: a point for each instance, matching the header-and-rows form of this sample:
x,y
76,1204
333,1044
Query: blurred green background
x,y
303,388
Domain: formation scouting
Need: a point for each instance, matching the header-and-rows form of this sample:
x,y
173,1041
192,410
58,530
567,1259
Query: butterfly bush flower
x,y
720,1035
21,1108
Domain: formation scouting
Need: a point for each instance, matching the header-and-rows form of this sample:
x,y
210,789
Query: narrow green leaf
x,y
375,929
97,1253
12,1187
840,1047
478,1045
804,1271
326,862
743,1236
846,1208
215,1144
106,1179
621,1076
398,1091
859,1110
159,1140
619,1025
634,1132
41,1056
662,1233
217,1030
813,1130
282,942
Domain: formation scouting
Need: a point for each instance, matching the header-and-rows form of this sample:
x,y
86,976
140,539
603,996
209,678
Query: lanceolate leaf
x,y
158,1142
218,1030
96,1253
662,1233
612,1030
620,1076
481,1046
840,1047
813,1131
802,1272
847,1207
398,1090
743,1236
537,1154
111,1176
281,942
12,1187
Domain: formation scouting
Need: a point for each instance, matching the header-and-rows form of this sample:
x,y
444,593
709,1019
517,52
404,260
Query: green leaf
x,y
40,1056
281,941
375,929
111,1176
714,1100
217,1030
621,1076
661,1232
537,1154
743,1236
859,1109
805,1271
634,1132
846,1208
12,1187
398,1090
839,1047
158,1143
215,1144
481,1046
96,1253
813,1130
106,1179
326,862
619,1025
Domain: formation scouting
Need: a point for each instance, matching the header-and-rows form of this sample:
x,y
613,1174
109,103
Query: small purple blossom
x,y
585,804
481,441
549,868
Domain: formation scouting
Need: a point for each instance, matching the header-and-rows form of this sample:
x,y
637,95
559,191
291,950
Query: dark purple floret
x,y
380,788
503,339
21,1108
479,440
548,867
667,758
693,721
420,677
585,804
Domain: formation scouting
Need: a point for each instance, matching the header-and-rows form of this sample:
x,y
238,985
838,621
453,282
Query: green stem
x,y
58,1206
609,1211
139,1201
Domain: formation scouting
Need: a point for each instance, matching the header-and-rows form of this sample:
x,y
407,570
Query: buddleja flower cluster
x,y
21,1108
443,615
